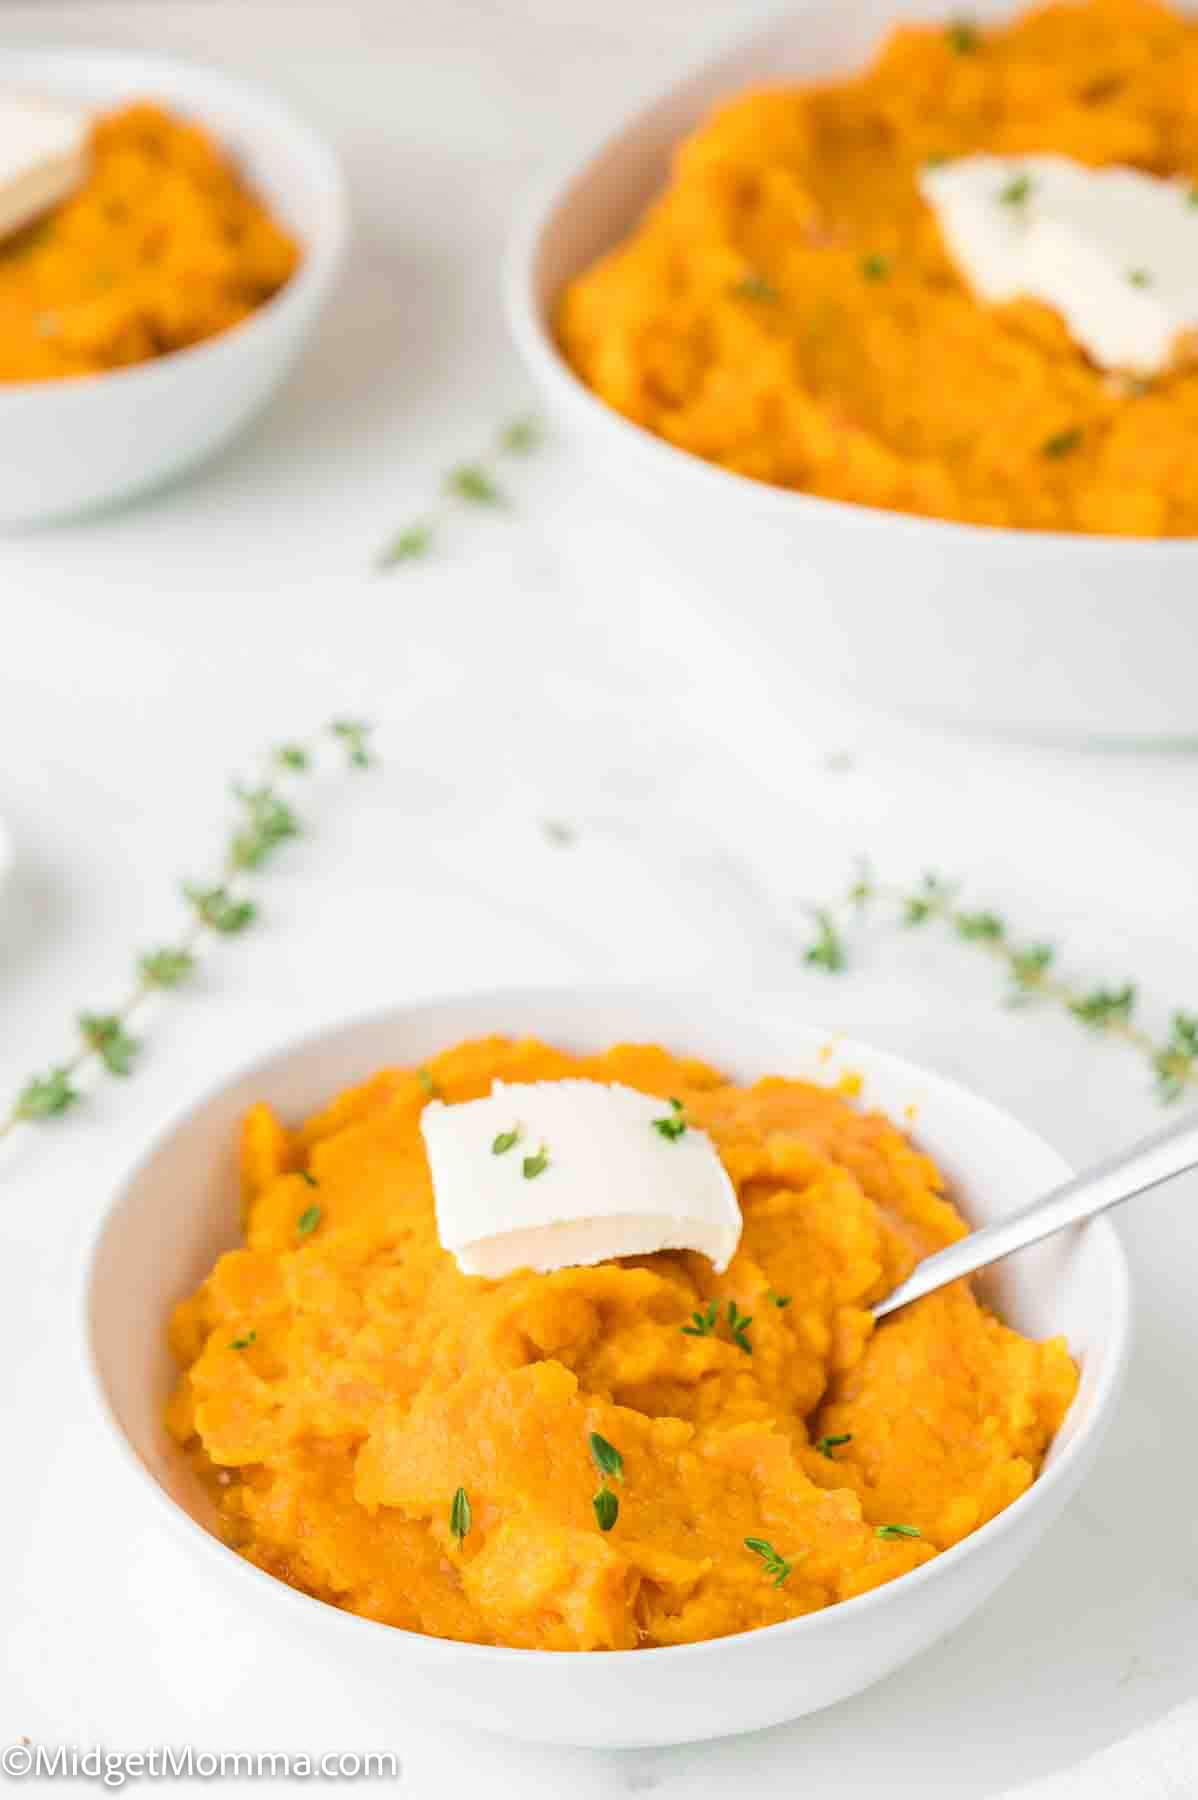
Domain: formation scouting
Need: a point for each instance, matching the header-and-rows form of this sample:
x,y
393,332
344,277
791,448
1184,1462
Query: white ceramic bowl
x,y
1039,634
78,443
178,1209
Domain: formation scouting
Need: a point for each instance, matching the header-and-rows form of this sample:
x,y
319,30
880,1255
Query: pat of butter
x,y
589,1177
1113,250
45,153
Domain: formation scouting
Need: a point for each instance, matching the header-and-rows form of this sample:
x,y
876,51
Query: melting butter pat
x,y
1113,250
45,154
554,1174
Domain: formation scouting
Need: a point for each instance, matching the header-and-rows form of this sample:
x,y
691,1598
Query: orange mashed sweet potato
x,y
788,308
161,246
343,1381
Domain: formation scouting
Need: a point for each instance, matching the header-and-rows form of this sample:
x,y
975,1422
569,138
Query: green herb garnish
x,y
826,1445
827,951
1031,968
963,36
1061,443
521,435
165,968
606,1457
45,1097
673,1126
355,735
1139,278
606,1508
1017,191
1175,1062
460,1516
307,1175
505,1141
703,1323
778,1300
610,1464
1102,1005
243,1343
470,481
106,1035
216,908
898,1531
754,287
308,1220
775,1565
875,267
535,1165
266,821
408,545
269,822
427,1083
738,1325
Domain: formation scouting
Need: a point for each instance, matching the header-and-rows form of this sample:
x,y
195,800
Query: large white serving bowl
x,y
1040,634
178,1209
78,443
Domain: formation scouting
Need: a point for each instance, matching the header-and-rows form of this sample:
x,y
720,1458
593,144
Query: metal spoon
x,y
1153,1160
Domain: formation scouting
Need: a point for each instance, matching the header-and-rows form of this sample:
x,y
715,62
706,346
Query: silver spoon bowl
x,y
1154,1159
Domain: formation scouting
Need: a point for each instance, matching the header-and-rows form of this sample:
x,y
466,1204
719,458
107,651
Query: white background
x,y
527,672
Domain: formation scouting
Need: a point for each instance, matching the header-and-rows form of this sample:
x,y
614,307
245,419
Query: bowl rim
x,y
933,1087
534,339
321,253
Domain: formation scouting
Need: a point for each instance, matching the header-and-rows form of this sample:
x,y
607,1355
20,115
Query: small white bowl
x,y
178,1209
1040,634
86,440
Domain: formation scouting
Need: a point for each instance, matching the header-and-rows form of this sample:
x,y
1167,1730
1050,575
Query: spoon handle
x,y
1153,1160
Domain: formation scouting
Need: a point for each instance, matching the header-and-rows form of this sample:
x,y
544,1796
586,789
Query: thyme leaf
x,y
460,1516
535,1165
166,968
606,1457
606,1508
45,1096
106,1035
738,1325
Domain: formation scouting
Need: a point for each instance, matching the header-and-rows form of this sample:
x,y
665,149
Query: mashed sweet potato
x,y
788,308
343,1380
163,245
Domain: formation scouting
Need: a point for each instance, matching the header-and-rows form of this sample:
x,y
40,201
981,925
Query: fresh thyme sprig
x,y
775,1565
475,482
610,1464
1031,967
703,1323
265,821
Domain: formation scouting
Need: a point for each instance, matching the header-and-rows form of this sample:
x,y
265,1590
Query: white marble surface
x,y
525,674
